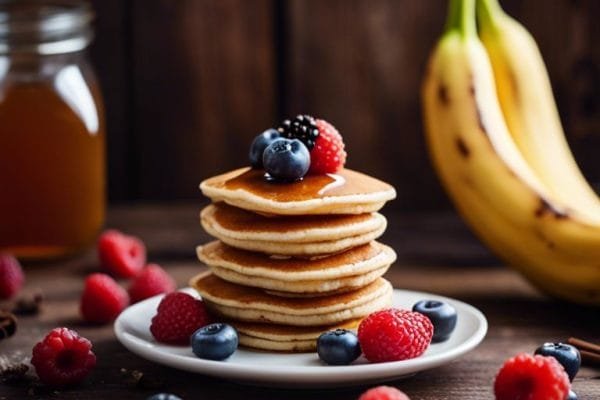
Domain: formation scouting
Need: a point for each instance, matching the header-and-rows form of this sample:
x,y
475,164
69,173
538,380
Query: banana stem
x,y
489,12
461,17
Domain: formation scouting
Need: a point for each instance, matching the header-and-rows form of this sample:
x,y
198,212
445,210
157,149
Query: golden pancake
x,y
285,338
346,192
250,304
345,271
235,223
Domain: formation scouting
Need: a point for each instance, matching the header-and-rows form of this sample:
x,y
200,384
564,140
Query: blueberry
x,y
572,395
259,144
286,160
568,356
339,347
215,341
163,396
442,316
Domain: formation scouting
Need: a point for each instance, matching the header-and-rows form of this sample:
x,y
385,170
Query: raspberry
x,y
178,316
11,276
383,393
151,281
533,378
393,335
63,358
102,299
121,255
328,155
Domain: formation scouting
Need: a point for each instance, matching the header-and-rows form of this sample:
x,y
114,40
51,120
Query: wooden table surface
x,y
436,254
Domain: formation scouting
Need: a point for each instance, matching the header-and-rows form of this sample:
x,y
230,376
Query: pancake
x,y
235,223
345,271
250,304
300,249
284,338
346,192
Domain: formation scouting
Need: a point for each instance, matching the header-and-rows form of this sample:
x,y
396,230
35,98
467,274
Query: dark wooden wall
x,y
188,83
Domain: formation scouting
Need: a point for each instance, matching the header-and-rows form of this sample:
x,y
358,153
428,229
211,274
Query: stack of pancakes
x,y
294,260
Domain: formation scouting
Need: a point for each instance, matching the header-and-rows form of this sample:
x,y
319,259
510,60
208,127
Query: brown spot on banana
x,y
549,243
442,94
462,147
546,208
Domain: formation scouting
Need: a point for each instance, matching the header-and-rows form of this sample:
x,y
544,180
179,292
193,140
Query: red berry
x,y
178,316
151,281
393,335
102,299
533,378
328,155
11,276
63,358
383,393
121,255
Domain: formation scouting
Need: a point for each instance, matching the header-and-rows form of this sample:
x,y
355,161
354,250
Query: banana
x,y
491,183
529,108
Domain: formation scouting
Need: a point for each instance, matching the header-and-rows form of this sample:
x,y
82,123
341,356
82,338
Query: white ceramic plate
x,y
287,370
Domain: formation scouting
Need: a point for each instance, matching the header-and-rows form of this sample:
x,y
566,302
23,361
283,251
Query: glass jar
x,y
52,150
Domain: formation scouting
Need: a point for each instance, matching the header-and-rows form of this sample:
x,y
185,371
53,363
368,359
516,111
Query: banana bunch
x,y
496,141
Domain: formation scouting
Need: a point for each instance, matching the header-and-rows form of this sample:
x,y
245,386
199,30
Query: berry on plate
x,y
568,356
63,358
442,315
533,378
258,146
286,160
338,347
328,154
178,316
383,393
102,299
151,281
394,335
215,341
11,276
121,255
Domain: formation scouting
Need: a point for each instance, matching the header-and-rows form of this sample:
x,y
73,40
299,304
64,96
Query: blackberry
x,y
303,128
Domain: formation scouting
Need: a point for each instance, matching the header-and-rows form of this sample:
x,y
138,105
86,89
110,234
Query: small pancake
x,y
345,271
346,192
285,338
250,304
235,223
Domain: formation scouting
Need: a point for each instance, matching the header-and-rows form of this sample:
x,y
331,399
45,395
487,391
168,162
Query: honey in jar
x,y
52,183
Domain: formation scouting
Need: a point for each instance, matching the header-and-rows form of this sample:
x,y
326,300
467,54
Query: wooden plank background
x,y
188,83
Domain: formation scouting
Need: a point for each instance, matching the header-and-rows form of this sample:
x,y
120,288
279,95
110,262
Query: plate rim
x,y
316,374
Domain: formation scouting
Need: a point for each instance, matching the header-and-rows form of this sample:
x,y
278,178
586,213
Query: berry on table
x,y
215,341
286,160
303,128
11,276
102,299
163,396
394,334
258,146
383,393
151,281
531,377
571,396
328,154
442,315
121,255
178,316
63,358
338,347
568,356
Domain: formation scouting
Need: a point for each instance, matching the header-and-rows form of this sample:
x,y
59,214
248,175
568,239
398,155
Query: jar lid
x,y
44,26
